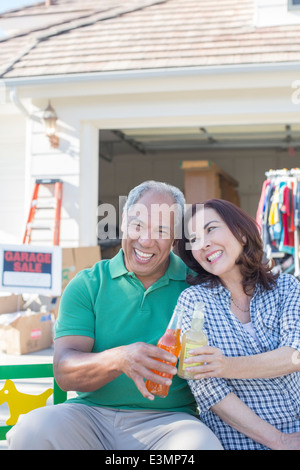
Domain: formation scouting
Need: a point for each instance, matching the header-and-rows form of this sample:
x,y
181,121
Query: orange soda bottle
x,y
170,341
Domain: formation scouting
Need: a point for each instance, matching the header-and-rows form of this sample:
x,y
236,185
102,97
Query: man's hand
x,y
139,358
77,368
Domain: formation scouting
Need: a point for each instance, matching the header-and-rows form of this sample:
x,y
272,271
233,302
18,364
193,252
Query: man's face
x,y
148,236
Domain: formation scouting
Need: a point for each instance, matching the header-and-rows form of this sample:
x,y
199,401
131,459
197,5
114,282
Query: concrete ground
x,y
31,386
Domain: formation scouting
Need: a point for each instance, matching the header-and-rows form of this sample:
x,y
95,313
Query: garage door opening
x,y
129,156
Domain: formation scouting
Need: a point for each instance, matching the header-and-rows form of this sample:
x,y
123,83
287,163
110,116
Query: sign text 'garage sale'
x,y
31,269
25,261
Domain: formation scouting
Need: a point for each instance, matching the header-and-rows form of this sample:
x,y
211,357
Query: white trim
x,y
89,175
28,181
267,77
149,73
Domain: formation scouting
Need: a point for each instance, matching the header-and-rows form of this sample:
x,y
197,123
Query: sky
x,y
11,4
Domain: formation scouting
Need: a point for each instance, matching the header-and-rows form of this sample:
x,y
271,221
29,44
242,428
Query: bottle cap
x,y
199,308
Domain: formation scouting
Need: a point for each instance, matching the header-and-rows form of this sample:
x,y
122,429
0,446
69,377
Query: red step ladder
x,y
37,204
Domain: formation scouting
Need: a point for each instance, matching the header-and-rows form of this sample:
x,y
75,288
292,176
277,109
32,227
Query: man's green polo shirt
x,y
110,305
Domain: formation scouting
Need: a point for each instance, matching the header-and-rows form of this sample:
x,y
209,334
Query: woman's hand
x,y
290,441
212,362
238,415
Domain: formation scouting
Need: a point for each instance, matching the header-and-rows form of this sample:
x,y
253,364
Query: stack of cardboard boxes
x,y
25,330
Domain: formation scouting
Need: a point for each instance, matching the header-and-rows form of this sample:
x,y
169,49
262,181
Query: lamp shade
x,y
50,119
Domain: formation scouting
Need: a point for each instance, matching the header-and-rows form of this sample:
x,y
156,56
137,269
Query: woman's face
x,y
214,246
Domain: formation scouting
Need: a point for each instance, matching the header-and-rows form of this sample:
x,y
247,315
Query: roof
x,y
72,36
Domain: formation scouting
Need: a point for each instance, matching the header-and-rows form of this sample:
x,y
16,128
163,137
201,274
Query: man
x,y
110,319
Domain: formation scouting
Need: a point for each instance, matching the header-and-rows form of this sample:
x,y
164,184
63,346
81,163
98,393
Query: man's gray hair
x,y
159,187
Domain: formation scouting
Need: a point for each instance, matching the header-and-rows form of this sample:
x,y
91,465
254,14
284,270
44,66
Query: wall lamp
x,y
50,118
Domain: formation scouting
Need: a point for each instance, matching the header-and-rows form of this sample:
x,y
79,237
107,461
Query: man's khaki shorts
x,y
72,426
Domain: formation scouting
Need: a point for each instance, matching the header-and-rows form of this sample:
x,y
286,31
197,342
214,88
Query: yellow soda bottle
x,y
193,338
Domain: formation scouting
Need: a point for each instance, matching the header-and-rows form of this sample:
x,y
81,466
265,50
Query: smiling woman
x,y
224,219
252,325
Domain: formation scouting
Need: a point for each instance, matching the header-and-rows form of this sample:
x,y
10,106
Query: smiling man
x,y
149,234
111,317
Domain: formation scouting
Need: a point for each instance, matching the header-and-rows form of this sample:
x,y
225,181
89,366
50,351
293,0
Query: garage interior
x,y
129,156
239,155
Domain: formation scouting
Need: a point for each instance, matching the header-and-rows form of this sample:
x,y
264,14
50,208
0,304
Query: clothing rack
x,y
283,172
278,216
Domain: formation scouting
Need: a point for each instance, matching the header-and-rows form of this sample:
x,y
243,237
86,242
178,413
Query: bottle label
x,y
189,347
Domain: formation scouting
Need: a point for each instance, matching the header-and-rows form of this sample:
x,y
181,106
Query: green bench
x,y
30,371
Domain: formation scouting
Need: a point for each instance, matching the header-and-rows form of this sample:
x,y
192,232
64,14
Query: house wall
x,y
161,99
275,13
12,176
63,163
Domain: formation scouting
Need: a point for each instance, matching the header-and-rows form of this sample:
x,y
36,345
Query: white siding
x,y
12,177
275,13
63,163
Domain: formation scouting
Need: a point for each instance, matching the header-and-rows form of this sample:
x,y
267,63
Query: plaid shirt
x,y
276,320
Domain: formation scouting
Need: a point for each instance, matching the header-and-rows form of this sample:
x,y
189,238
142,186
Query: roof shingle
x,y
143,34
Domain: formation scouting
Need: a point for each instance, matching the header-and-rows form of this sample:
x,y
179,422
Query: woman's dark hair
x,y
254,268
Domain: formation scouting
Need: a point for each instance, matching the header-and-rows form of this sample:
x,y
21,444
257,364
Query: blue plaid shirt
x,y
275,316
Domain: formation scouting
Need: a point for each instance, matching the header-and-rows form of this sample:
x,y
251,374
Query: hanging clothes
x,y
261,204
278,216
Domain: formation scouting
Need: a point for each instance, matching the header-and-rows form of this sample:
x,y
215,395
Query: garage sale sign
x,y
30,269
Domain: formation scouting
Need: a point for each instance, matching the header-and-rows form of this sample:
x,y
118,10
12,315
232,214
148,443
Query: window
x,y
294,4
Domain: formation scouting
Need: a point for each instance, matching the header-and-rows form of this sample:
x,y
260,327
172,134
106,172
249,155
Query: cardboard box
x,y
25,332
73,261
10,303
77,259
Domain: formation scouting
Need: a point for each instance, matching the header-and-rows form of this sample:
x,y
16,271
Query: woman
x,y
249,392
